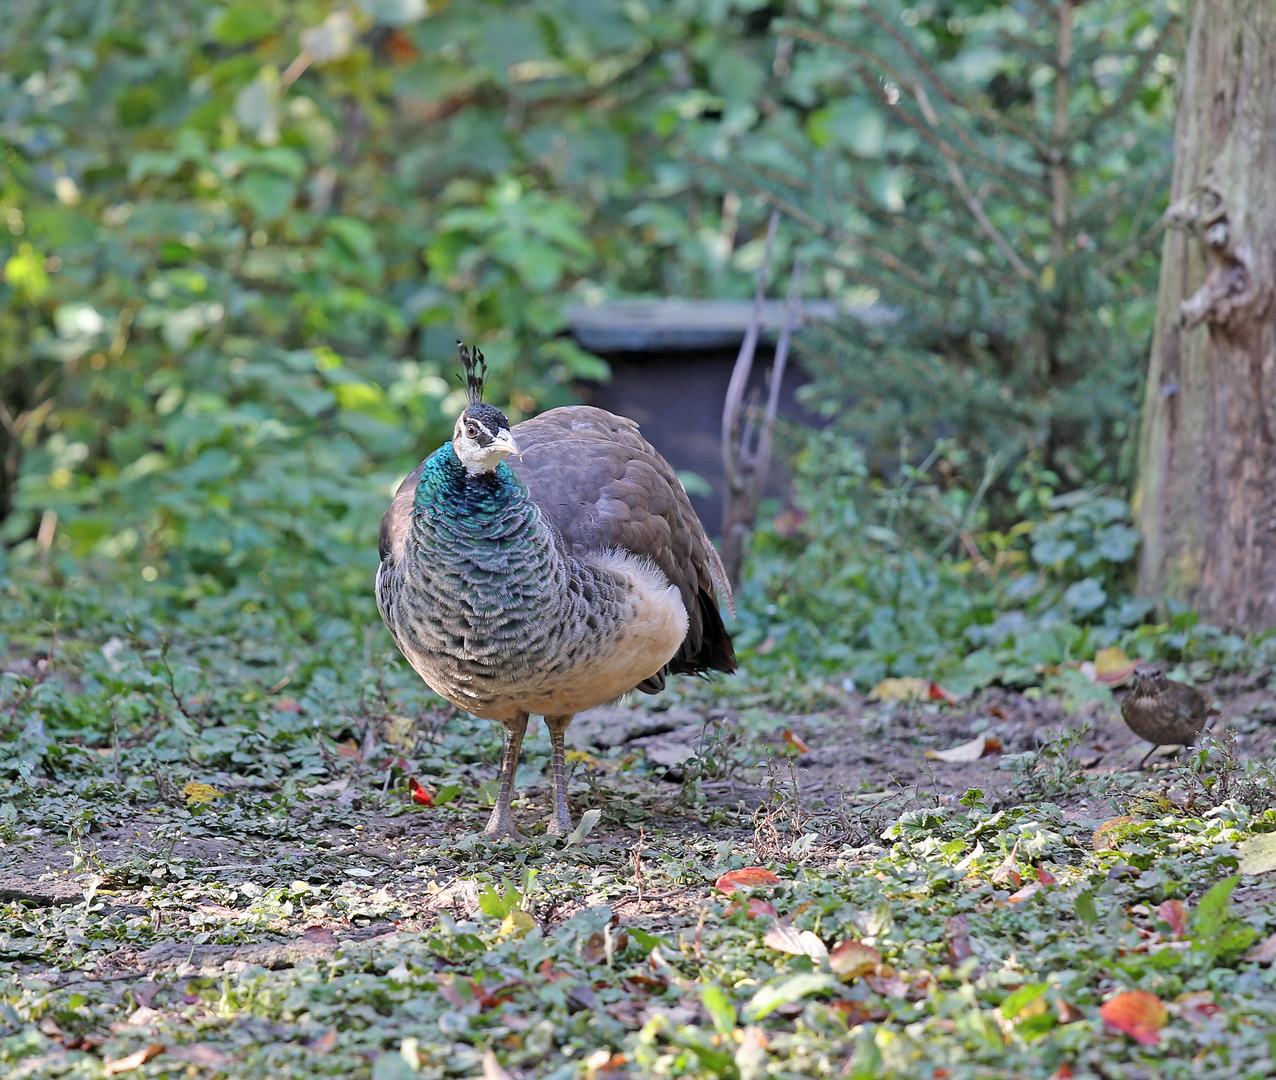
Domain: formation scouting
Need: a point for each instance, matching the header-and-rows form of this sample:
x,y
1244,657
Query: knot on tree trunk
x,y
1226,293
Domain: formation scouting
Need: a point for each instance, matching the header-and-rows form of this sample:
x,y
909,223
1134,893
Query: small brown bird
x,y
1163,711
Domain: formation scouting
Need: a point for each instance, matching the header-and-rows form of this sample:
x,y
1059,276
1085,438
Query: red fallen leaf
x,y
1174,914
547,970
420,795
325,1042
941,1073
288,705
1009,870
796,741
319,934
1063,1072
955,929
1045,877
1136,1013
400,48
751,877
133,1061
756,908
859,1012
1199,1001
937,693
851,959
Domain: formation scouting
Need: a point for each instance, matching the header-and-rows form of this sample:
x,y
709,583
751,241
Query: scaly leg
x,y
560,822
500,825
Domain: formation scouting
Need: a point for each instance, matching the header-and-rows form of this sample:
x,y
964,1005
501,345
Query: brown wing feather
x,y
603,486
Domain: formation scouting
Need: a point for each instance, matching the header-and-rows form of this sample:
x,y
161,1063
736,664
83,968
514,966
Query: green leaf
x,y
1211,912
720,1008
1025,995
244,21
267,194
794,988
1085,908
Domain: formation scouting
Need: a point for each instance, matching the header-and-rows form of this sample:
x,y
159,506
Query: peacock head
x,y
481,439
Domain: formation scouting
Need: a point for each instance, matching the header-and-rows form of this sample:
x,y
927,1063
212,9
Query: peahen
x,y
560,583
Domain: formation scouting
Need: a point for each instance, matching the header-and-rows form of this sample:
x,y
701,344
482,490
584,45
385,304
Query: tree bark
x,y
1206,493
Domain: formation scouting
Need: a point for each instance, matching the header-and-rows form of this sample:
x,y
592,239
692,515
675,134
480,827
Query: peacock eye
x,y
472,430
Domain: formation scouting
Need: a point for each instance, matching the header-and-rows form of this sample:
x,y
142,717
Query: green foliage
x,y
239,240
870,579
993,175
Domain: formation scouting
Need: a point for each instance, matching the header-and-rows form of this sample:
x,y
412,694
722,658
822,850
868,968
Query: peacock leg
x,y
1155,748
560,822
501,824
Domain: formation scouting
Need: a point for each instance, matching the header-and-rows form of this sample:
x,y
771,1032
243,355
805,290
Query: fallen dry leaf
x,y
1136,1013
1068,1013
1112,666
196,793
755,909
1264,952
980,746
750,877
133,1061
1174,914
1020,895
851,959
785,939
328,790
750,1055
325,1042
1258,854
1045,877
910,689
935,692
492,1069
208,1056
1103,839
796,741
1009,868
956,930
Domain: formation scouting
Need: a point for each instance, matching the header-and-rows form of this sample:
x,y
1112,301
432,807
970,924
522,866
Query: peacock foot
x,y
500,826
559,825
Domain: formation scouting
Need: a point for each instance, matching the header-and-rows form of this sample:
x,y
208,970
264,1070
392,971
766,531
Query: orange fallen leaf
x,y
1136,1013
325,1042
1045,877
133,1061
348,749
754,909
796,741
420,795
1174,914
750,877
851,958
288,705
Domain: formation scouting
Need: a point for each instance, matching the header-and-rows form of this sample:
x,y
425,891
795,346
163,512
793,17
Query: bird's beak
x,y
504,444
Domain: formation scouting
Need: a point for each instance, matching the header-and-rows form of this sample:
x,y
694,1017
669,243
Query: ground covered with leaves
x,y
226,853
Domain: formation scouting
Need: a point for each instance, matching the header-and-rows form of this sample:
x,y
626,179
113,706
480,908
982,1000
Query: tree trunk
x,y
1206,494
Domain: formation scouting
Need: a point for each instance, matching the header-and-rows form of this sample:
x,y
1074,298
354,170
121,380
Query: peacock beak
x,y
504,444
